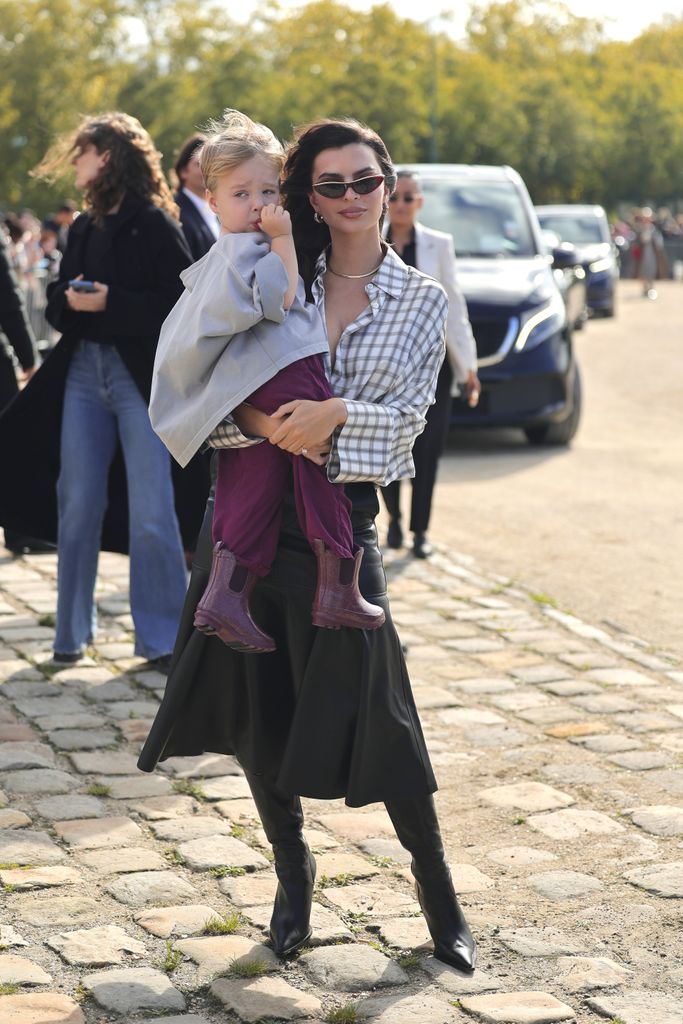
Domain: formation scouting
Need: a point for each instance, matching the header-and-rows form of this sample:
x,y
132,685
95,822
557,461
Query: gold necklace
x,y
355,277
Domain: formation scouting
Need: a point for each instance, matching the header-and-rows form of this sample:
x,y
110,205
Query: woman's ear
x,y
211,200
313,201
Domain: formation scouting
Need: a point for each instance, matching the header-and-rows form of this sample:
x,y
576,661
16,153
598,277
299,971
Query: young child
x,y
243,332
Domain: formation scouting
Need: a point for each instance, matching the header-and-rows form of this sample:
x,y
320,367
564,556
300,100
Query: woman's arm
x,y
248,426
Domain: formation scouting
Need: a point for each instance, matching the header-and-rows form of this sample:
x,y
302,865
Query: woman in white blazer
x,y
431,252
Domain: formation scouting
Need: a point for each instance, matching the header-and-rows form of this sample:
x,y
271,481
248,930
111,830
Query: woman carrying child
x,y
329,713
243,331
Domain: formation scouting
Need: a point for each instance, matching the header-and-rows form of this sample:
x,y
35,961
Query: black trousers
x,y
426,454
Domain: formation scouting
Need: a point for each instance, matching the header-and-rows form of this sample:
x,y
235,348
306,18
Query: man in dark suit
x,y
200,225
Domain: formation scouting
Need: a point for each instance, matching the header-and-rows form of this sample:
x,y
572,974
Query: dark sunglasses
x,y
406,199
337,189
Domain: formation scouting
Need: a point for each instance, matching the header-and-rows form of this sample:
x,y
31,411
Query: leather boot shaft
x,y
282,820
338,601
417,828
224,608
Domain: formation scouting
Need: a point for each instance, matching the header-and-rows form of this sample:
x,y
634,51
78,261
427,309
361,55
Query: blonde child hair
x,y
232,141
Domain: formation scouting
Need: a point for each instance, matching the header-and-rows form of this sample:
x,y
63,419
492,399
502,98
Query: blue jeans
x,y
102,405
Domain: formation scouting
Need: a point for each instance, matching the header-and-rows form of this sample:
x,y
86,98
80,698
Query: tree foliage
x,y
531,85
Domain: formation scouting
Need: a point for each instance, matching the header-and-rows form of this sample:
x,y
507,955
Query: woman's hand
x,y
318,455
472,389
88,302
307,424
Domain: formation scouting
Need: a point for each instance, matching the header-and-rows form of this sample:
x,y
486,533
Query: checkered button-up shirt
x,y
386,366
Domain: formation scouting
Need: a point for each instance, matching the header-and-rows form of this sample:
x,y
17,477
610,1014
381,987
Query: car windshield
x,y
486,218
579,229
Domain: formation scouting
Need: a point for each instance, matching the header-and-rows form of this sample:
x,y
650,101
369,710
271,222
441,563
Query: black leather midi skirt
x,y
329,714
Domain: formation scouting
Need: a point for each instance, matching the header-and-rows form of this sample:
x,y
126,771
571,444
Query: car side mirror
x,y
565,256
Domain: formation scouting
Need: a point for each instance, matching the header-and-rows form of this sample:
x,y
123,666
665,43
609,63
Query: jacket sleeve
x,y
13,319
131,313
227,296
460,343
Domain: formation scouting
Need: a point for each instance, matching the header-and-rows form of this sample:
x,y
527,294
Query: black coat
x,y
147,254
196,230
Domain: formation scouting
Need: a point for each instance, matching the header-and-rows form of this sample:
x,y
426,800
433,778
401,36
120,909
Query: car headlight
x,y
540,324
600,266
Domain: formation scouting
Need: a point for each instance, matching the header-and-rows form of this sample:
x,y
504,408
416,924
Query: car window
x,y
486,218
579,230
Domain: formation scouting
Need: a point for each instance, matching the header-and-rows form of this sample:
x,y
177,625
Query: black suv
x,y
516,297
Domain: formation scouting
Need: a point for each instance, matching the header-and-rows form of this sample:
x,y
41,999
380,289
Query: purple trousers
x,y
252,482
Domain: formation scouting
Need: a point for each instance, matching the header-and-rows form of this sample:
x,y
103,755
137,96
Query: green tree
x,y
59,60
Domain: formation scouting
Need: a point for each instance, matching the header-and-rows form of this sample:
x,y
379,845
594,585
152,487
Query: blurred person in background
x,y
17,340
17,346
64,217
49,244
15,247
649,257
119,278
199,222
431,252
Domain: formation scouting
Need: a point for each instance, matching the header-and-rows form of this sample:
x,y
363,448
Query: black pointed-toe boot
x,y
417,828
282,820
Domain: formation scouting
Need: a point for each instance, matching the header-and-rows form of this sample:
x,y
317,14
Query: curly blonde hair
x,y
232,141
134,164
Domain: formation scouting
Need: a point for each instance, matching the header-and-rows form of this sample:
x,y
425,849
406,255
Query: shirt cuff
x,y
228,435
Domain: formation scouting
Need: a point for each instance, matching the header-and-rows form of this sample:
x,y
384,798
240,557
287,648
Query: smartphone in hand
x,y
82,286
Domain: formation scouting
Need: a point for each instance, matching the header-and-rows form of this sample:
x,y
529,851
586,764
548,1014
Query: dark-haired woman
x,y
330,714
129,245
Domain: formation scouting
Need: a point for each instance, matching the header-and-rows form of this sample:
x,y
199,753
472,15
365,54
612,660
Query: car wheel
x,y
559,433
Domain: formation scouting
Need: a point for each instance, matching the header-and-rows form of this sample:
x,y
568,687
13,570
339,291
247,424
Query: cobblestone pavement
x,y
559,751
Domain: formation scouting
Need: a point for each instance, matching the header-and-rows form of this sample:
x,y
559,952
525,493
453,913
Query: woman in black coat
x,y
118,280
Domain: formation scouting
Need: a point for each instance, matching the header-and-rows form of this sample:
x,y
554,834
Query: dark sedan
x,y
524,338
587,229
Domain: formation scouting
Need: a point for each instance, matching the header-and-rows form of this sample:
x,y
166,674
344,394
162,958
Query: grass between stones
x,y
174,857
237,831
335,880
247,969
98,789
346,1014
410,960
7,988
171,958
227,871
227,924
47,620
187,788
81,993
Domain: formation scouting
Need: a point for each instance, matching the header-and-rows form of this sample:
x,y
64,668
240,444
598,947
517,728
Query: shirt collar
x,y
390,278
